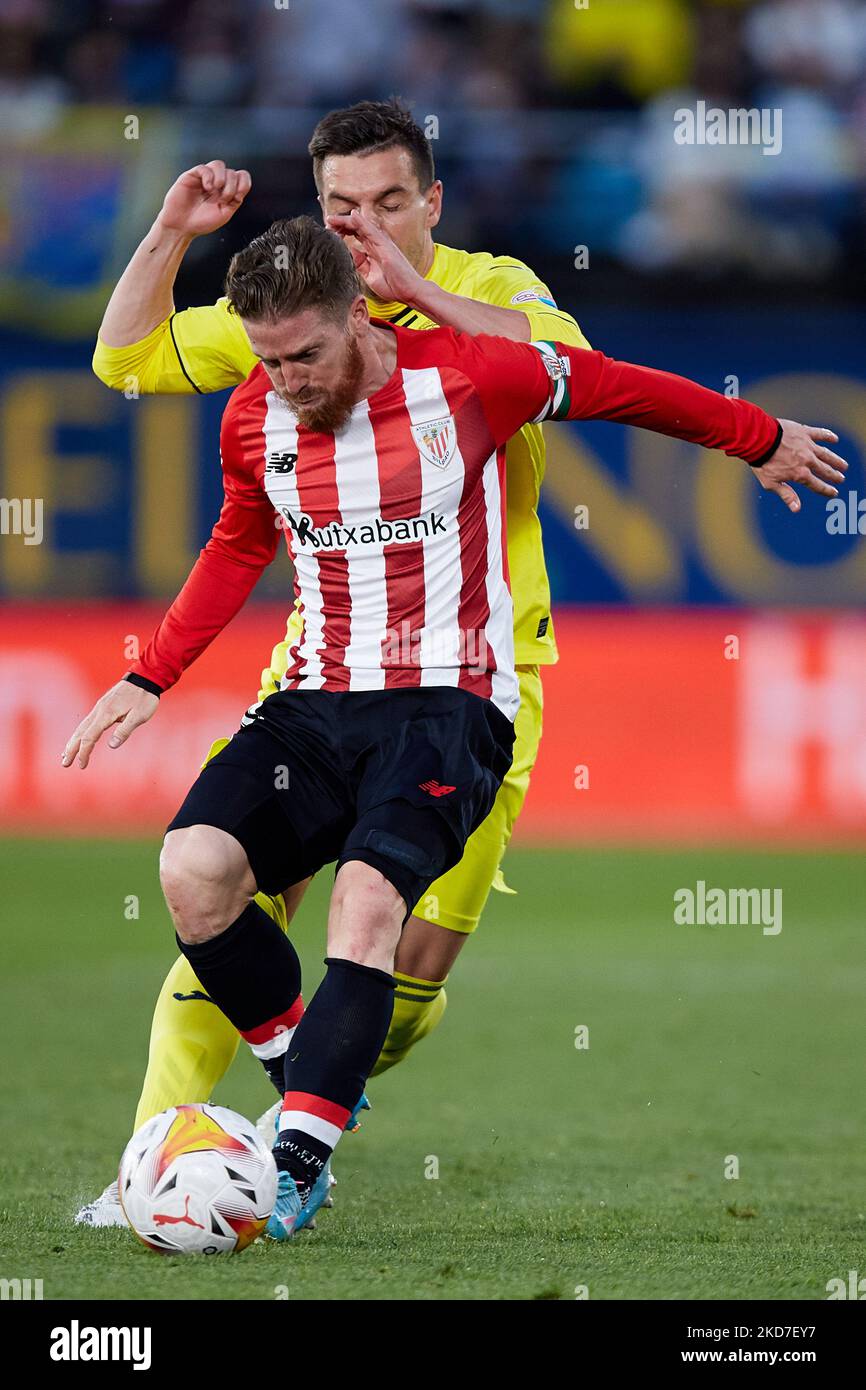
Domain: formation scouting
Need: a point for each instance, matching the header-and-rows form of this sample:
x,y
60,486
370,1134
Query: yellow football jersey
x,y
206,349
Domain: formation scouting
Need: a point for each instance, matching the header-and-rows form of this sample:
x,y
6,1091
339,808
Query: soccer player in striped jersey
x,y
374,159
382,453
370,160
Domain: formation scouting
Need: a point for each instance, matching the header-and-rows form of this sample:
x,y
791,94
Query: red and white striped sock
x,y
269,1042
309,1130
337,1042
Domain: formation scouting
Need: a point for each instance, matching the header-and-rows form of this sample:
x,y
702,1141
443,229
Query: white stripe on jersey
x,y
505,691
359,498
440,636
281,434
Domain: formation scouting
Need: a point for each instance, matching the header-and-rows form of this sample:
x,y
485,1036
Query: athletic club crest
x,y
436,440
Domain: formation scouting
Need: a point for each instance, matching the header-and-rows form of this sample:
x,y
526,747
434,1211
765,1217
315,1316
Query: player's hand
x,y
379,262
802,457
125,705
204,198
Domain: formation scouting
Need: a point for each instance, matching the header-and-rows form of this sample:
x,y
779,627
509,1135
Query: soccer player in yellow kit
x,y
374,169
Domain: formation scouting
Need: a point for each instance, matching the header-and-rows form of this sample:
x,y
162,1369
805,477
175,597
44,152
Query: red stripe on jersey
x,y
320,500
317,1105
400,488
336,606
249,415
473,613
265,1032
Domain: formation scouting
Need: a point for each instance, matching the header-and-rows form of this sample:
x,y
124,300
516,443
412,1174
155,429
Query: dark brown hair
x,y
369,126
296,264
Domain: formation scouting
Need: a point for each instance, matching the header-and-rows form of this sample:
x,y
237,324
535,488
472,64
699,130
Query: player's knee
x,y
206,880
366,916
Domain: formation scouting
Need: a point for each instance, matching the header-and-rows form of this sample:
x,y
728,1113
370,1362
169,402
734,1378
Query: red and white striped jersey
x,y
396,530
396,523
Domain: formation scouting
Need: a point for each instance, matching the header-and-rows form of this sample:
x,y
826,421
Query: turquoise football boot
x,y
319,1193
292,1212
353,1124
287,1208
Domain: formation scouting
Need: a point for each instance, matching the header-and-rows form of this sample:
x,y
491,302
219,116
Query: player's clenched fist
x,y
125,705
802,457
204,198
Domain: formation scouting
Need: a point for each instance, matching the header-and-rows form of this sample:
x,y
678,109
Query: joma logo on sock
x,y
718,907
77,1343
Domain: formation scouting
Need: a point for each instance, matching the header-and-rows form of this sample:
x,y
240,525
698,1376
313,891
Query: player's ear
x,y
359,315
434,203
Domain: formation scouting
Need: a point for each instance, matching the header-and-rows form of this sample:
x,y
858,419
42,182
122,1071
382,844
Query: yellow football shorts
x,y
457,899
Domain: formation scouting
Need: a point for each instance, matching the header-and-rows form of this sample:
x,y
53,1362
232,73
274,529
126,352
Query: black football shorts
x,y
398,779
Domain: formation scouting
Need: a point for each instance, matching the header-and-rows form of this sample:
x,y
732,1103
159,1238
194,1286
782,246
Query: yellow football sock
x,y
418,1008
191,1042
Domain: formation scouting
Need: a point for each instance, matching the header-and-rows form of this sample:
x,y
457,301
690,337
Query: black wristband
x,y
143,683
758,463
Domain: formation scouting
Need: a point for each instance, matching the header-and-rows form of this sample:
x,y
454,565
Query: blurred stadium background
x,y
707,719
553,133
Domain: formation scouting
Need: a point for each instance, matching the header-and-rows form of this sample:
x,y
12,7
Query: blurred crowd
x,y
555,117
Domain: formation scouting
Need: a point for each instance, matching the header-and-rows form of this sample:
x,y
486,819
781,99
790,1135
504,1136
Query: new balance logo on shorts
x,y
435,789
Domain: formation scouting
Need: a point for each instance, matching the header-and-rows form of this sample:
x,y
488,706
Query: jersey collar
x,y
394,310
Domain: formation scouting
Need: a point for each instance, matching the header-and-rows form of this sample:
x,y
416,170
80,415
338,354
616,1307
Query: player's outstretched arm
x,y
241,545
200,201
124,708
550,381
781,452
143,346
218,586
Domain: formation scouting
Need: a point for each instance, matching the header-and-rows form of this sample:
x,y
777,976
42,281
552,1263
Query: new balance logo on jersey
x,y
281,463
435,789
338,536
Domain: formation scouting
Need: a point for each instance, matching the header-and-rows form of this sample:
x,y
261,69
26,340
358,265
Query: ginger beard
x,y
328,412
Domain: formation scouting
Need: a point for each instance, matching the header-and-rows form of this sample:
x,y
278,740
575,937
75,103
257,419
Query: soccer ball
x,y
197,1180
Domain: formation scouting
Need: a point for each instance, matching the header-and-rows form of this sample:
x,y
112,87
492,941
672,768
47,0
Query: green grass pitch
x,y
559,1167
